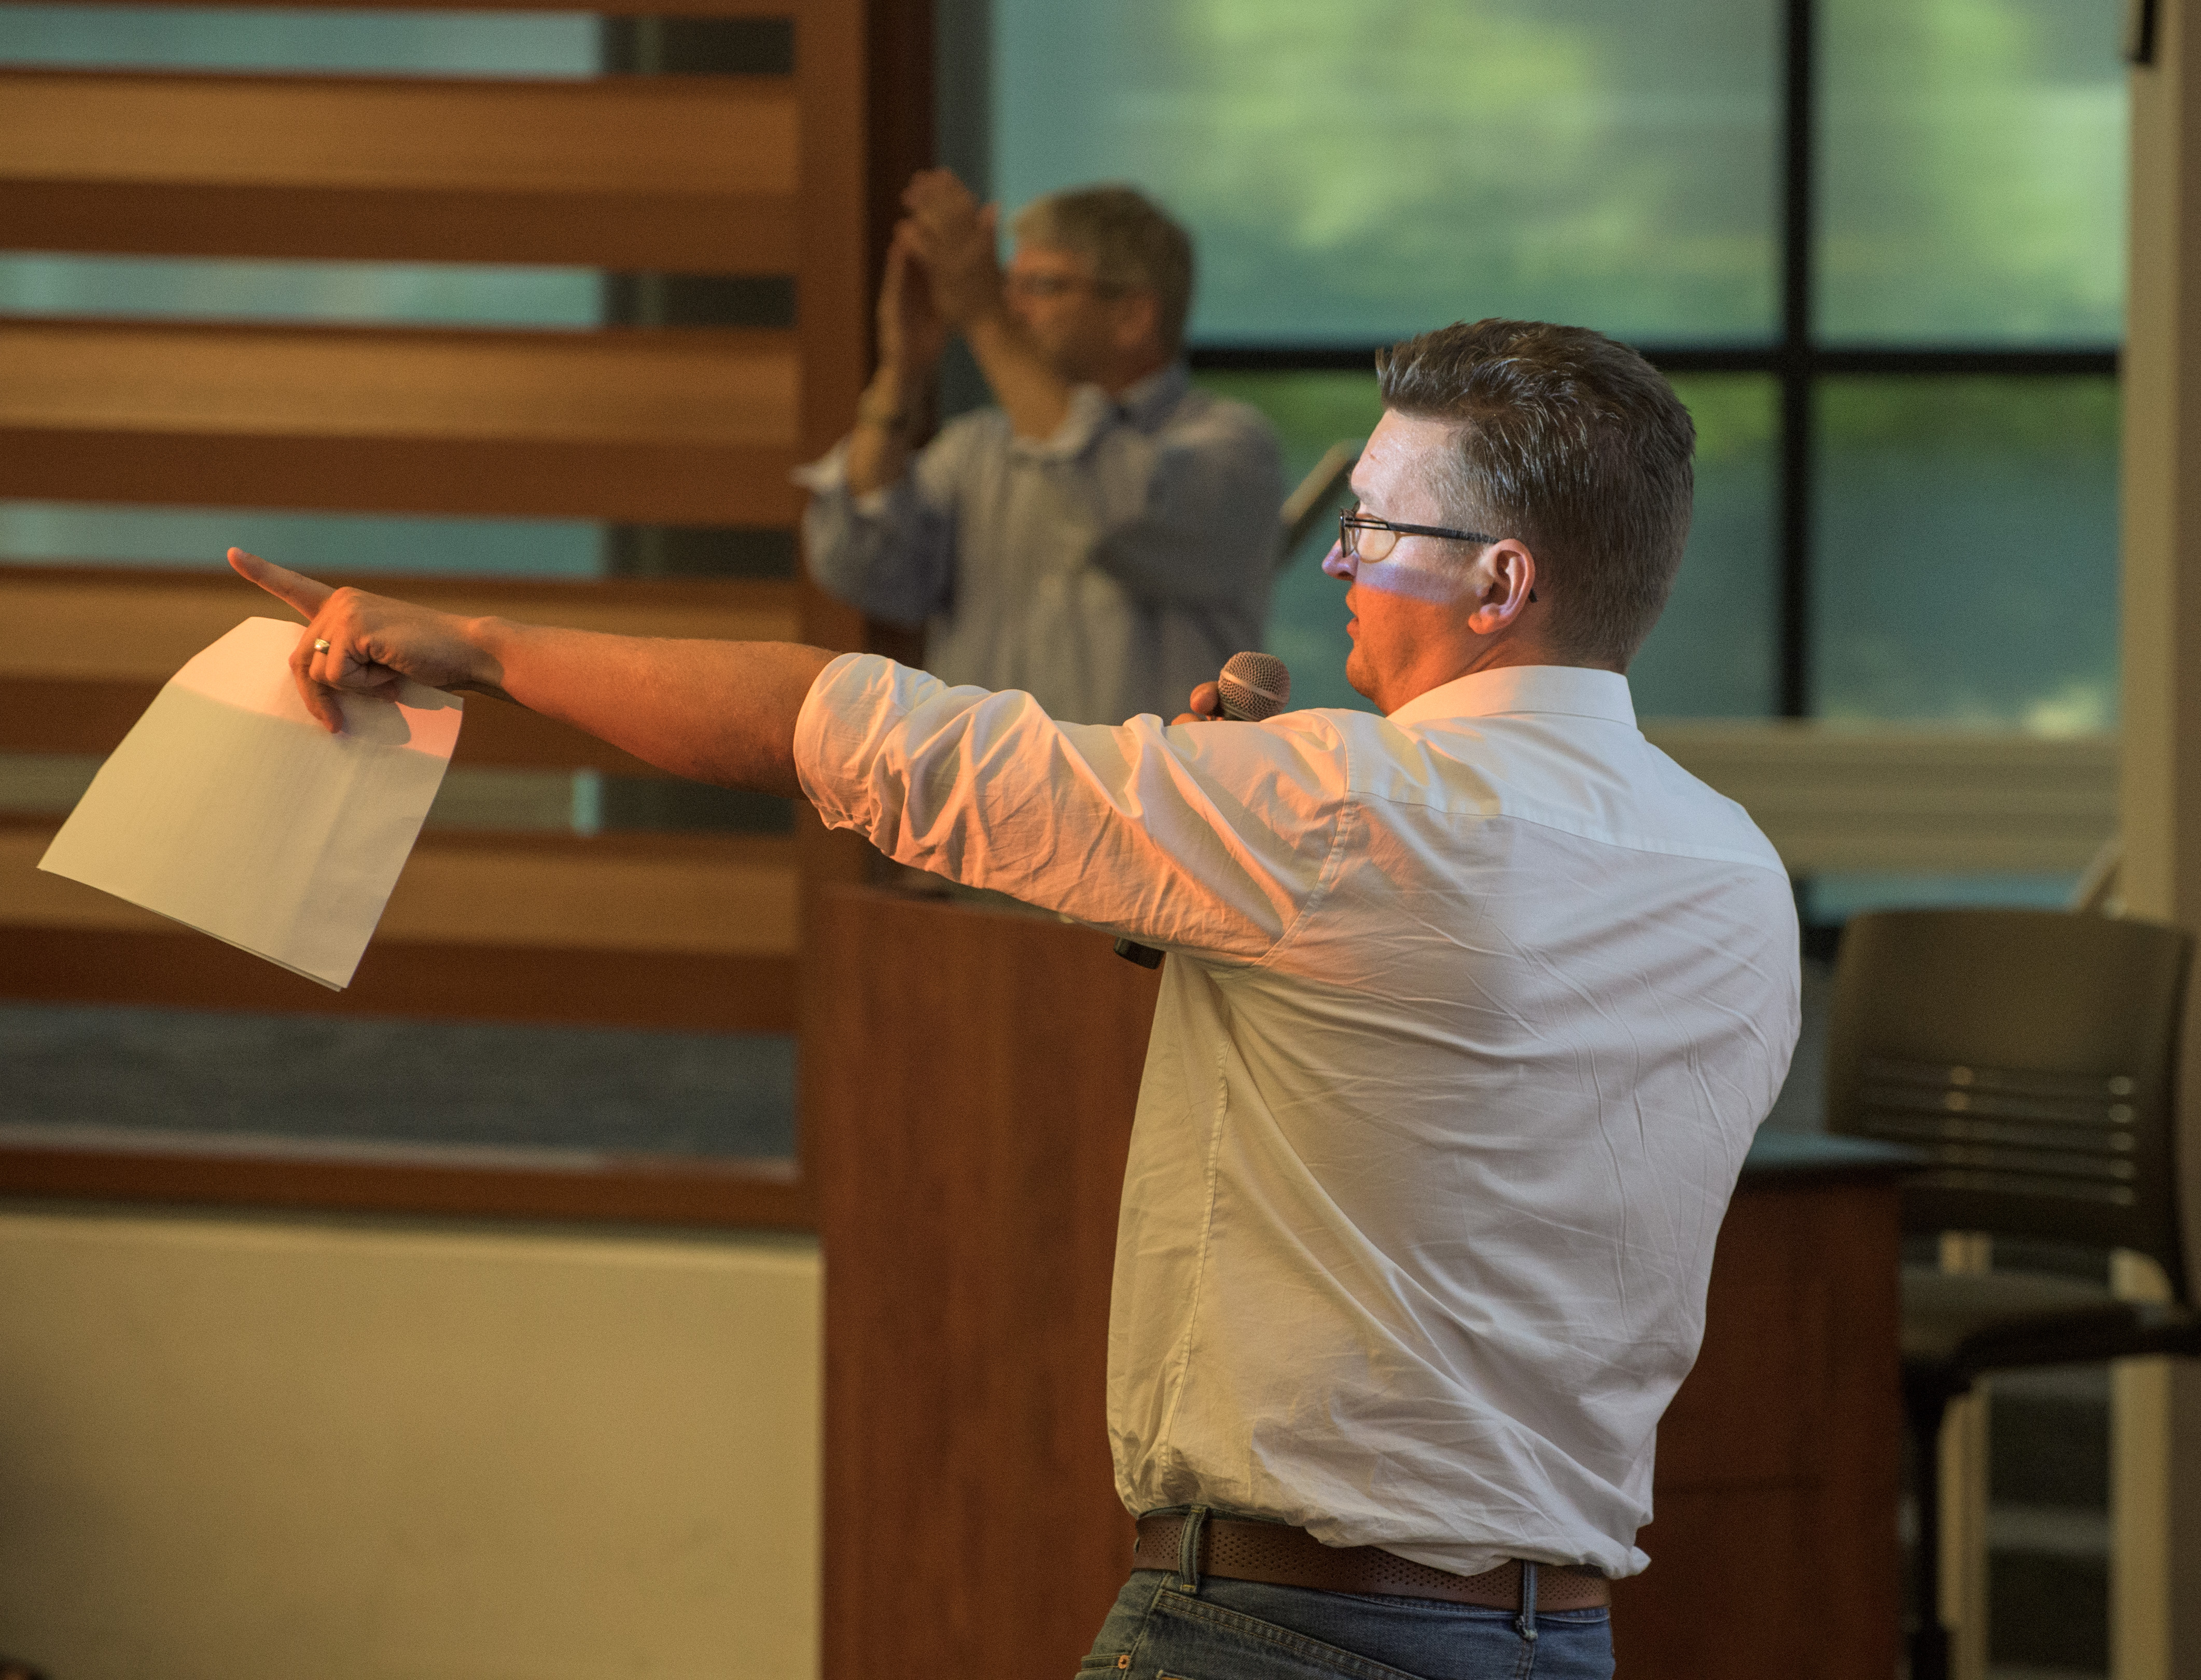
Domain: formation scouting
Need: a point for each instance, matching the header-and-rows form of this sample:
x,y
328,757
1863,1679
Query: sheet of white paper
x,y
229,809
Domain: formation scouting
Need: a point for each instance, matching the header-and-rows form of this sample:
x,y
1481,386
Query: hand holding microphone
x,y
1251,686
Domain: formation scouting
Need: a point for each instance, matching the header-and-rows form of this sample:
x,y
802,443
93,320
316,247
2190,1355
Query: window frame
x,y
1795,358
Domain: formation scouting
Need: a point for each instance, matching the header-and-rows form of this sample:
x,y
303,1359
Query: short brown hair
x,y
1572,443
1130,242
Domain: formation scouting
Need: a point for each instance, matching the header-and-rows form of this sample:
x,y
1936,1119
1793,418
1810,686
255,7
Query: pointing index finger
x,y
290,587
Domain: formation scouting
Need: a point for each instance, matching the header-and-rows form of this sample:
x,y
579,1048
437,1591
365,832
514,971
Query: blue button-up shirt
x,y
1104,570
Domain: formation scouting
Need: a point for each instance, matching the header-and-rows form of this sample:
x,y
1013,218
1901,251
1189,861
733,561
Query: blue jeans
x,y
1226,1629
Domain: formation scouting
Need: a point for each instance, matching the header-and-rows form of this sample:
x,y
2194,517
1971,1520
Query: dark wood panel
x,y
831,45
1779,1460
668,484
969,1144
830,56
184,970
1773,1319
1731,1594
61,717
680,233
687,1193
900,46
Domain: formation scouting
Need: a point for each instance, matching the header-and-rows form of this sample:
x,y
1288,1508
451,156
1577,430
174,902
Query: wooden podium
x,y
969,1076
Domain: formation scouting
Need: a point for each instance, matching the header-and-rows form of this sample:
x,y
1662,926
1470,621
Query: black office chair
x,y
2032,1056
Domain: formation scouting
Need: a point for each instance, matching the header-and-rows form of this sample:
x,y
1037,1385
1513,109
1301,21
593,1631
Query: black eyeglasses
x,y
1057,286
1383,536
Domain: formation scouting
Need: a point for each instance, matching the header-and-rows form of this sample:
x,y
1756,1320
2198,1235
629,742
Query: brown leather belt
x,y
1290,1557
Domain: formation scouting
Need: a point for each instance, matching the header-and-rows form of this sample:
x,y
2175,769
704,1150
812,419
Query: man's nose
x,y
1337,563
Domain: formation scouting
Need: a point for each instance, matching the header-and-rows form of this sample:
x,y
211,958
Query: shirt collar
x,y
1570,690
1147,404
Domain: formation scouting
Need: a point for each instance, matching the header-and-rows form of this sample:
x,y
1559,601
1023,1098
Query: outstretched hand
x,y
372,641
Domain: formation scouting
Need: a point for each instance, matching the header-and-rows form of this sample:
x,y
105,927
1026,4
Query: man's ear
x,y
1506,584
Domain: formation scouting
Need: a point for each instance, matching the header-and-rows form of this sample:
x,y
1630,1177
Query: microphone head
x,y
1253,686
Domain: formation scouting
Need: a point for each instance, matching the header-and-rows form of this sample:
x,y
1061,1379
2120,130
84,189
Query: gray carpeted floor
x,y
217,1078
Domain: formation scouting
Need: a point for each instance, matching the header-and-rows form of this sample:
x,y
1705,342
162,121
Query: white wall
x,y
265,1448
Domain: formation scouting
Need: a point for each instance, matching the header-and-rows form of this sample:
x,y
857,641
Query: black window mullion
x,y
1795,358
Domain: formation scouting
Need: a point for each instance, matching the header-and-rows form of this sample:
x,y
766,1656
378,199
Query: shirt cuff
x,y
828,475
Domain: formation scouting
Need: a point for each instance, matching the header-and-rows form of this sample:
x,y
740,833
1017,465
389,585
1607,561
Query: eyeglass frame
x,y
1060,286
1351,520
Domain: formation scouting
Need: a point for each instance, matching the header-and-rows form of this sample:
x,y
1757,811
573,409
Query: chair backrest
x,y
2032,1055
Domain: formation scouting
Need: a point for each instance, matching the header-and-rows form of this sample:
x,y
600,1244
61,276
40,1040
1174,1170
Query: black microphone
x,y
1252,686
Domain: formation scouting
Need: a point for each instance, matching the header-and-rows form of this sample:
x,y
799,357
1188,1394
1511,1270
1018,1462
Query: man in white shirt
x,y
1471,1010
1104,538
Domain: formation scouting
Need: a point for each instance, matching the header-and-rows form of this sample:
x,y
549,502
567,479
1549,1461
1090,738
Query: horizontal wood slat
x,y
672,1191
719,896
693,425
713,136
659,231
707,135
725,388
177,968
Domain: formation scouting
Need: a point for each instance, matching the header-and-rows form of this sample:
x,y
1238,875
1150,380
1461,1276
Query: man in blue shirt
x,y
1103,540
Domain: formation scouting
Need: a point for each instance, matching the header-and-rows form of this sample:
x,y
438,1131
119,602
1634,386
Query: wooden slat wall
x,y
732,175
685,173
680,426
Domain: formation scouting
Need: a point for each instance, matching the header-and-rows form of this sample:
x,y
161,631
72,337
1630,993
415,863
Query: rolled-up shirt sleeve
x,y
889,552
1208,837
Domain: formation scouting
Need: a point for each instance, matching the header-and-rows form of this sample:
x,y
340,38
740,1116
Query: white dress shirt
x,y
1469,1015
1104,570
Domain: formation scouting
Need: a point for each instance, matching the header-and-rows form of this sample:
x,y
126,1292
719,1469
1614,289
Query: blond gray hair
x,y
1131,243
